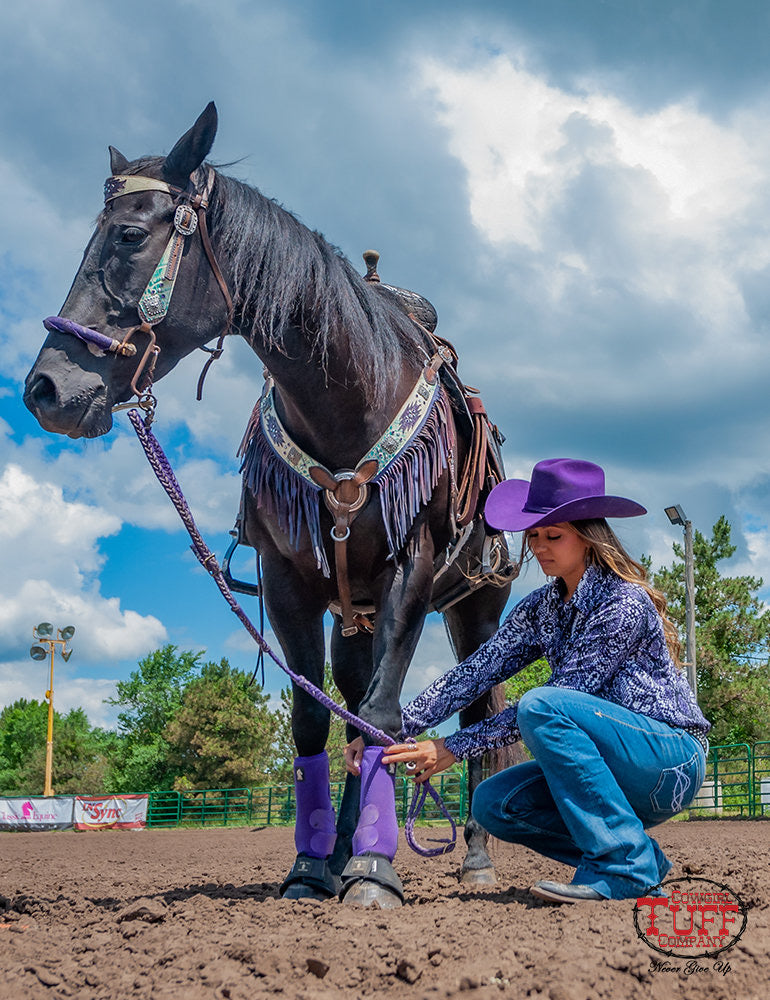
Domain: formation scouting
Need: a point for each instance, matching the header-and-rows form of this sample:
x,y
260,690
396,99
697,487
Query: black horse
x,y
351,374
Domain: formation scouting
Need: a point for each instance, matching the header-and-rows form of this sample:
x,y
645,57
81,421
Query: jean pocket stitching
x,y
682,785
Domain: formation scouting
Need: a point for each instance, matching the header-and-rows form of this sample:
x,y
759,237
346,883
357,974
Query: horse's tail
x,y
514,753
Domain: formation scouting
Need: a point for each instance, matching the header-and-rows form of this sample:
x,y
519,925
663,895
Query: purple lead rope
x,y
165,475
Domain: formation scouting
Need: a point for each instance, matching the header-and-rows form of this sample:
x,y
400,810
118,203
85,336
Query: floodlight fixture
x,y
676,515
46,647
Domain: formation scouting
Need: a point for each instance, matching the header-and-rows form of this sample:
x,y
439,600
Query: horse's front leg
x,y
352,670
296,615
369,878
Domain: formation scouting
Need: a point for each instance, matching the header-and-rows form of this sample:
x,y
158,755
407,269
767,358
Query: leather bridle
x,y
154,303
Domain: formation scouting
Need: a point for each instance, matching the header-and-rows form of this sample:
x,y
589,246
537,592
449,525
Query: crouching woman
x,y
617,739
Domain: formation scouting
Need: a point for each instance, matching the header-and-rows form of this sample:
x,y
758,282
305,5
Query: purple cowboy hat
x,y
562,489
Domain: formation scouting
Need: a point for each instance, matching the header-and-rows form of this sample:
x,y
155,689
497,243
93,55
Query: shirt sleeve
x,y
512,647
498,731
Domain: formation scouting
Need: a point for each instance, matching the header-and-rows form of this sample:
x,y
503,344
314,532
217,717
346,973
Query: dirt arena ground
x,y
195,915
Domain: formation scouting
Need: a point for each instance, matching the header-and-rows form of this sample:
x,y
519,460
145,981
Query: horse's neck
x,y
326,414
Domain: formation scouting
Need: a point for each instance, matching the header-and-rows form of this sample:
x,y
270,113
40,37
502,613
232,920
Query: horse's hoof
x,y
369,880
372,896
309,878
478,876
299,891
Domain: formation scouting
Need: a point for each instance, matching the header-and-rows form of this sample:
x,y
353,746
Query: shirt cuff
x,y
461,746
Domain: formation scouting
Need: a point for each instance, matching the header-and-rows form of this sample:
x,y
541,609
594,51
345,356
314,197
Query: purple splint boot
x,y
377,828
315,829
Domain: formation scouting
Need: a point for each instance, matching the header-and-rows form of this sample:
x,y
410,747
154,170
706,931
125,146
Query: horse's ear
x,y
118,162
192,149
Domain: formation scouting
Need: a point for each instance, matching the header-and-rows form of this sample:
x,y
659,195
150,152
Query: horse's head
x,y
118,330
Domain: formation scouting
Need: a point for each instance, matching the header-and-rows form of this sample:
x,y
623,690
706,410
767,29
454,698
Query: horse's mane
x,y
283,274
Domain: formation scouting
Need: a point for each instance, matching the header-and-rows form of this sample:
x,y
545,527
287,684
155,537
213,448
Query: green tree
x,y
732,638
80,754
285,750
150,698
222,733
535,675
23,731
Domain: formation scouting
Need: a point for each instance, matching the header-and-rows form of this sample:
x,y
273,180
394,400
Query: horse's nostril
x,y
42,392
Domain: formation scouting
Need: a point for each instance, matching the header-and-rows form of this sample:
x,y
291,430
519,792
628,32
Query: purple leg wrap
x,y
315,830
377,828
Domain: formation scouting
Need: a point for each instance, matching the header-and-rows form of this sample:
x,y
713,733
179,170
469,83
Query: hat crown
x,y
557,481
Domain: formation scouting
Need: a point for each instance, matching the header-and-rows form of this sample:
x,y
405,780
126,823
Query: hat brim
x,y
504,508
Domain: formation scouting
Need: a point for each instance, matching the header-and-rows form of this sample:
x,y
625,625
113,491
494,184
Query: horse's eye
x,y
133,235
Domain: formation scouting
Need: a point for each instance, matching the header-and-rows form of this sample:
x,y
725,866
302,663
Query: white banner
x,y
44,813
121,812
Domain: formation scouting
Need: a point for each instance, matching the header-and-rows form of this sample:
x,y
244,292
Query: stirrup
x,y
371,867
313,872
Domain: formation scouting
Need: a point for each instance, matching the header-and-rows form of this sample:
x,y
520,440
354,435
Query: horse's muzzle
x,y
64,399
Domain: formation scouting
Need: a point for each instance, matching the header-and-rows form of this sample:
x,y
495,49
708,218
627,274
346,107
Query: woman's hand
x,y
428,756
353,754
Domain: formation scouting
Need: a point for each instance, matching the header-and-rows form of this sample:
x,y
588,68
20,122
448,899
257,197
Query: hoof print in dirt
x,y
317,967
408,971
309,878
370,880
151,911
478,877
46,977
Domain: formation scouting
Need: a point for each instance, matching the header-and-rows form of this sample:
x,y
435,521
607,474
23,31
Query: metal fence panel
x,y
737,783
761,776
163,809
728,788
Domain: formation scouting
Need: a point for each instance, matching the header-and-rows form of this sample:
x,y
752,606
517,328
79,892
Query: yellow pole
x,y
48,790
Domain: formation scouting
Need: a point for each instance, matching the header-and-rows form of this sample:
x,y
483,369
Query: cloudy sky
x,y
581,187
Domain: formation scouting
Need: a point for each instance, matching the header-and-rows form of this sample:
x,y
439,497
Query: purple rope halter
x,y
165,475
59,324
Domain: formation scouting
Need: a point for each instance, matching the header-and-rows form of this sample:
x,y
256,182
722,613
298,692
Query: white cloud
x,y
614,210
43,244
522,141
25,679
52,560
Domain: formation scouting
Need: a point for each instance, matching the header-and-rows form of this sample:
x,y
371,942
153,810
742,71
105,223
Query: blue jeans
x,y
600,775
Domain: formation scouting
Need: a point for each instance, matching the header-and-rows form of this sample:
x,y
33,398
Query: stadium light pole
x,y
676,515
43,633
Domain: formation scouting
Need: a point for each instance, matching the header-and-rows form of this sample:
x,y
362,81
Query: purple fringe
x,y
281,492
405,486
408,483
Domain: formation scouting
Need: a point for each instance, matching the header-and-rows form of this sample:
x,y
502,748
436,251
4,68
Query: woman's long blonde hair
x,y
605,549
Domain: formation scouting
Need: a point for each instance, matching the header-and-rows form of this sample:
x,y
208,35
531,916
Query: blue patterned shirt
x,y
607,640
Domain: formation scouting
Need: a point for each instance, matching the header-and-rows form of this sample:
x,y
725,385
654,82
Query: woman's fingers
x,y
400,752
428,757
353,754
